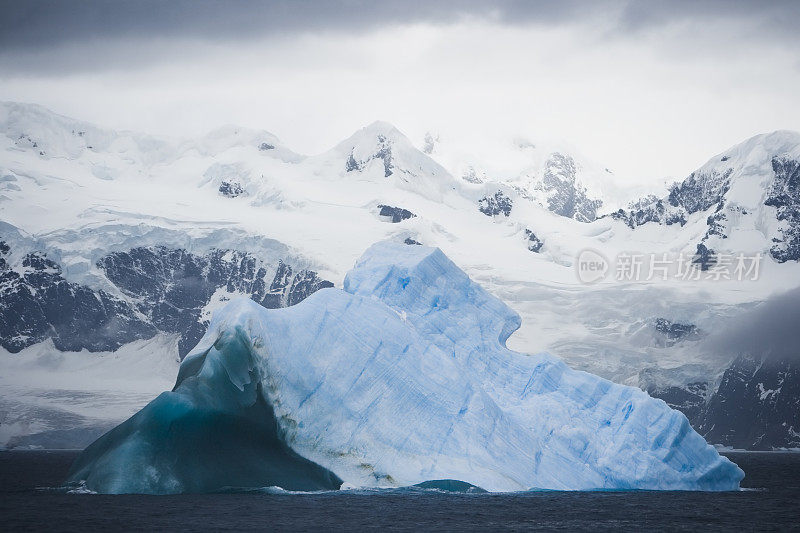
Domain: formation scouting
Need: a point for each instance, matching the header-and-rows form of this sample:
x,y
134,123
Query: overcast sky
x,y
648,89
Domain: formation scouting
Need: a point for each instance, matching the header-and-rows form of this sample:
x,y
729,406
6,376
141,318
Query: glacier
x,y
400,378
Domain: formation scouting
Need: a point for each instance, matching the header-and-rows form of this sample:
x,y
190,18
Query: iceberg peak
x,y
424,283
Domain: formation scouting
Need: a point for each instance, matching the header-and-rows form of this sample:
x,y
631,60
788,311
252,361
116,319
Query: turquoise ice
x,y
403,377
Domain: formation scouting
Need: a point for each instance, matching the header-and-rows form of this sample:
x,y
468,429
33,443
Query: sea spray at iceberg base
x,y
401,378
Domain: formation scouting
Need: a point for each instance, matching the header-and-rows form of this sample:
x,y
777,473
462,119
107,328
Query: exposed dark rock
x,y
674,331
785,197
647,209
397,214
351,164
266,146
565,196
675,218
716,223
231,189
698,192
168,289
275,297
173,286
384,152
650,209
39,262
705,257
757,405
534,243
411,241
38,303
305,283
495,205
4,249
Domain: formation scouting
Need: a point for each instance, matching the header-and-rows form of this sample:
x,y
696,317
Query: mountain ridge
x,y
318,214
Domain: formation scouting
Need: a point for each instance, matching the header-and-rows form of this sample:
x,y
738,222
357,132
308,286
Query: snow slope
x,y
401,378
744,199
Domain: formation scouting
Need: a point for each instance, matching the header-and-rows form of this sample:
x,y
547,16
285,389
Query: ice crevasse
x,y
400,378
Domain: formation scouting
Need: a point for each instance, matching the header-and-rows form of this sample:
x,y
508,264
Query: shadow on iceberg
x,y
401,378
215,431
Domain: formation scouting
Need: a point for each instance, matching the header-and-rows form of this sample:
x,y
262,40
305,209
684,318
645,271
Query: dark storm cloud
x,y
48,35
56,36
770,329
767,16
44,23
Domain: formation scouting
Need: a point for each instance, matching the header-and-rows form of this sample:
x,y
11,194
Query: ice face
x,y
214,431
403,377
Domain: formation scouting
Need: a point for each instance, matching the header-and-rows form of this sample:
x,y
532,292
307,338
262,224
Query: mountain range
x,y
116,243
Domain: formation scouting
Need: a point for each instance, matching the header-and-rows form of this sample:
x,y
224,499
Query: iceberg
x,y
401,378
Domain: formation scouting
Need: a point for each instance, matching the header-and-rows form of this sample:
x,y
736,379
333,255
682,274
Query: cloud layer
x,y
768,330
649,89
55,26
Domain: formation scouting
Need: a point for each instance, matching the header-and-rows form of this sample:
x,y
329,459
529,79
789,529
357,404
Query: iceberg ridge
x,y
401,378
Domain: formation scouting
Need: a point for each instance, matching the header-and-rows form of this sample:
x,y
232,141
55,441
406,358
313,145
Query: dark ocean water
x,y
31,500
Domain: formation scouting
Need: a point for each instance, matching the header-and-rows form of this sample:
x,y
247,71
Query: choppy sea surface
x,y
32,497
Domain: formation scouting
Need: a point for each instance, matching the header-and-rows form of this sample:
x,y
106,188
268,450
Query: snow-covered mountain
x,y
749,196
114,238
553,175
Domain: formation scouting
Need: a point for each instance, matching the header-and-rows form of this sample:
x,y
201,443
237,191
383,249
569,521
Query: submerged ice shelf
x,y
403,377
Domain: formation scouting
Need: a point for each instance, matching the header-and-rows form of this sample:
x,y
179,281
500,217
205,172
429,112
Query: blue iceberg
x,y
400,379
